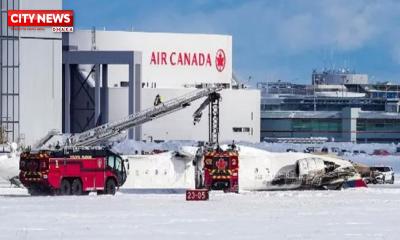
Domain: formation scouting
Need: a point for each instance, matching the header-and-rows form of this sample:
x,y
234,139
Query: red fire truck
x,y
221,170
72,172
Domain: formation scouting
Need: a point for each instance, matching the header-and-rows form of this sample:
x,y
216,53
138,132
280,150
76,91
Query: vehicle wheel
x,y
392,182
34,191
374,181
65,188
110,187
76,188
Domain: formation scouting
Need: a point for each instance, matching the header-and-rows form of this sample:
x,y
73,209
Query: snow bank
x,y
129,147
9,167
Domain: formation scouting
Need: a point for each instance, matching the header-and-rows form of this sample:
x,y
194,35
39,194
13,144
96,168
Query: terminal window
x,y
317,125
386,125
241,129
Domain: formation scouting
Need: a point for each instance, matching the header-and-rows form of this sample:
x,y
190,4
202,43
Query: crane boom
x,y
212,102
108,130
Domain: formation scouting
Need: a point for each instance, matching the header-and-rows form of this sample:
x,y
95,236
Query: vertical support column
x,y
131,105
104,94
138,87
1,70
349,124
1,75
97,95
67,98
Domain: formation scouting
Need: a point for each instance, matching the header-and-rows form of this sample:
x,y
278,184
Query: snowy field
x,y
367,213
371,213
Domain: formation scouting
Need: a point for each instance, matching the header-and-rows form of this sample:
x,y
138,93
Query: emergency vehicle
x,y
221,170
216,169
72,172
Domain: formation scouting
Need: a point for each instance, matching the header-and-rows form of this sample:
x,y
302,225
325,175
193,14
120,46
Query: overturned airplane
x,y
259,170
262,170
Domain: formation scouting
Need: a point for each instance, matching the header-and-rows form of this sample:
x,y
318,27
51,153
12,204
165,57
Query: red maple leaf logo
x,y
220,60
221,164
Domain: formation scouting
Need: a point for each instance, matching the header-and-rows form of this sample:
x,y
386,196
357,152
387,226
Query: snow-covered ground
x,y
371,213
362,213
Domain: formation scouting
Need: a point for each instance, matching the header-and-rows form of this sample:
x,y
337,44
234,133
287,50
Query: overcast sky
x,y
271,39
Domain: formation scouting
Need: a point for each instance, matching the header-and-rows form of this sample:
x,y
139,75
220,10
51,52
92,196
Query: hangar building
x,y
33,96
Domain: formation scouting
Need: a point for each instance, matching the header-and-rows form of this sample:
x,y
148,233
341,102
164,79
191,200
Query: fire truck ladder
x,y
212,102
108,130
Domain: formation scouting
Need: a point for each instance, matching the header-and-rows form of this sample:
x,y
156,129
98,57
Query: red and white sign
x,y
197,195
59,20
169,60
220,60
198,59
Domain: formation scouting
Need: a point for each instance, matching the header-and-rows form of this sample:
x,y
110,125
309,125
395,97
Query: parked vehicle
x,y
291,150
344,152
381,175
311,149
324,150
335,149
72,172
381,152
397,151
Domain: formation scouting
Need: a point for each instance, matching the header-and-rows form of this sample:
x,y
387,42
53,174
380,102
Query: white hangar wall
x,y
239,115
170,60
172,65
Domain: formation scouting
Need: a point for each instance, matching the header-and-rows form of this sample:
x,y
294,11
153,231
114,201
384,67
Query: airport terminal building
x,y
339,105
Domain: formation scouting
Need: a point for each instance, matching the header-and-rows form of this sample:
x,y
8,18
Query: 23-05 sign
x,y
197,195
